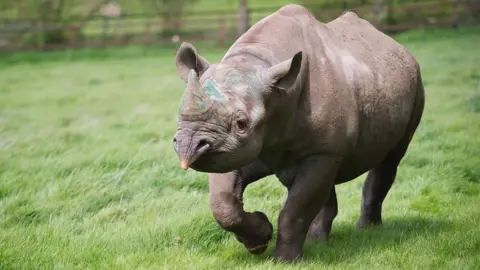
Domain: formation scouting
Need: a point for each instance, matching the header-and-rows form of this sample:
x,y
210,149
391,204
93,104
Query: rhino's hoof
x,y
256,236
265,228
364,223
258,249
288,257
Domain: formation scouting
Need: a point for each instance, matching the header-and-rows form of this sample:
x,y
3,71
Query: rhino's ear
x,y
284,74
187,59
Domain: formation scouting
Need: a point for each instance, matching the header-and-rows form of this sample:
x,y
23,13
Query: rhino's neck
x,y
248,56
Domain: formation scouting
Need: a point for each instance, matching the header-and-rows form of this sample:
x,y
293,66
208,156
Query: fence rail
x,y
218,26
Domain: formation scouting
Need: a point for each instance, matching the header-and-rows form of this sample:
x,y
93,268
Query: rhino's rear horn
x,y
194,100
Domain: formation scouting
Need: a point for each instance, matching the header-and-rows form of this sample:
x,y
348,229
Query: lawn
x,y
89,178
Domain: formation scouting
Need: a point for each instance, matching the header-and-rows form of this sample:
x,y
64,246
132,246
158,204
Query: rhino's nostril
x,y
202,144
175,142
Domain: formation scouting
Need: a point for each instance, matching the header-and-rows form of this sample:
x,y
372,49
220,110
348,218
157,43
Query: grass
x,y
89,178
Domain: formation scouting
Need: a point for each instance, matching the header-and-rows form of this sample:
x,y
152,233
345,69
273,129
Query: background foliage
x,y
30,14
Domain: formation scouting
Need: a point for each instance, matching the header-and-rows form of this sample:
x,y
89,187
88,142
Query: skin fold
x,y
314,104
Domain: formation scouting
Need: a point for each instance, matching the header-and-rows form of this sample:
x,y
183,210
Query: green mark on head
x,y
212,90
200,103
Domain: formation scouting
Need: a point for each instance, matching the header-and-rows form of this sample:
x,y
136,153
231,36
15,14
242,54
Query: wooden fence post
x,y
454,22
377,10
72,38
105,26
221,32
148,30
39,35
243,18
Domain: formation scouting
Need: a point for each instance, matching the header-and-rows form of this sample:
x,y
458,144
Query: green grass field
x,y
89,178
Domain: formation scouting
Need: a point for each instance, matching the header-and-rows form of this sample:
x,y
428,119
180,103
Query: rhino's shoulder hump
x,y
294,10
350,17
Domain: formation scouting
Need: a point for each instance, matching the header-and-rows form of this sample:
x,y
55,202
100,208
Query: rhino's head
x,y
222,114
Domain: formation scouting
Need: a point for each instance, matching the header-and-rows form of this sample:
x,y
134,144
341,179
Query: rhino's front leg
x,y
226,202
309,191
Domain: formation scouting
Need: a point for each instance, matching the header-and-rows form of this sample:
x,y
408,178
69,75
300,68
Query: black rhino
x,y
314,104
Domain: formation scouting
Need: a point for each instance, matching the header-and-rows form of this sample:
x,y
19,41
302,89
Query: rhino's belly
x,y
378,135
363,159
356,165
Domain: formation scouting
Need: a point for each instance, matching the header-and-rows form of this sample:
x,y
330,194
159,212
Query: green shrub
x,y
50,37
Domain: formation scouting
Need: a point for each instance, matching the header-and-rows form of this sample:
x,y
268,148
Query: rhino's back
x,y
384,77
361,91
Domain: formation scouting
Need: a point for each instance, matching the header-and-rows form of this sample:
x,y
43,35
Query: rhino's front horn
x,y
194,100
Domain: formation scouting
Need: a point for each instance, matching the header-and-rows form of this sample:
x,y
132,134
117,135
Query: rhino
x,y
314,104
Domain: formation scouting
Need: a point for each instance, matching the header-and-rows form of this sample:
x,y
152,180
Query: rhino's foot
x,y
258,249
365,222
257,234
287,254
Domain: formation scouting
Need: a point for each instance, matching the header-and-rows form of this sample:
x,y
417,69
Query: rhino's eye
x,y
242,125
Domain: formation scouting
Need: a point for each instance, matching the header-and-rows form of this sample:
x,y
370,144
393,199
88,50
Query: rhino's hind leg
x,y
380,179
378,183
322,224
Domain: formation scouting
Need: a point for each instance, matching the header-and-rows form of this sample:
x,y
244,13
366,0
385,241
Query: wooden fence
x,y
218,27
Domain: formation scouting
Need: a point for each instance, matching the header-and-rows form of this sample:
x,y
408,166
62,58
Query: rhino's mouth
x,y
213,162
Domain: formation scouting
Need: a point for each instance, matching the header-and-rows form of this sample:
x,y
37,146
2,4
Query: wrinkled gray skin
x,y
314,104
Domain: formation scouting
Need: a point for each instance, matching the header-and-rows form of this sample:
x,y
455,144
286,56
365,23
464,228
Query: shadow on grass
x,y
346,243
353,242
